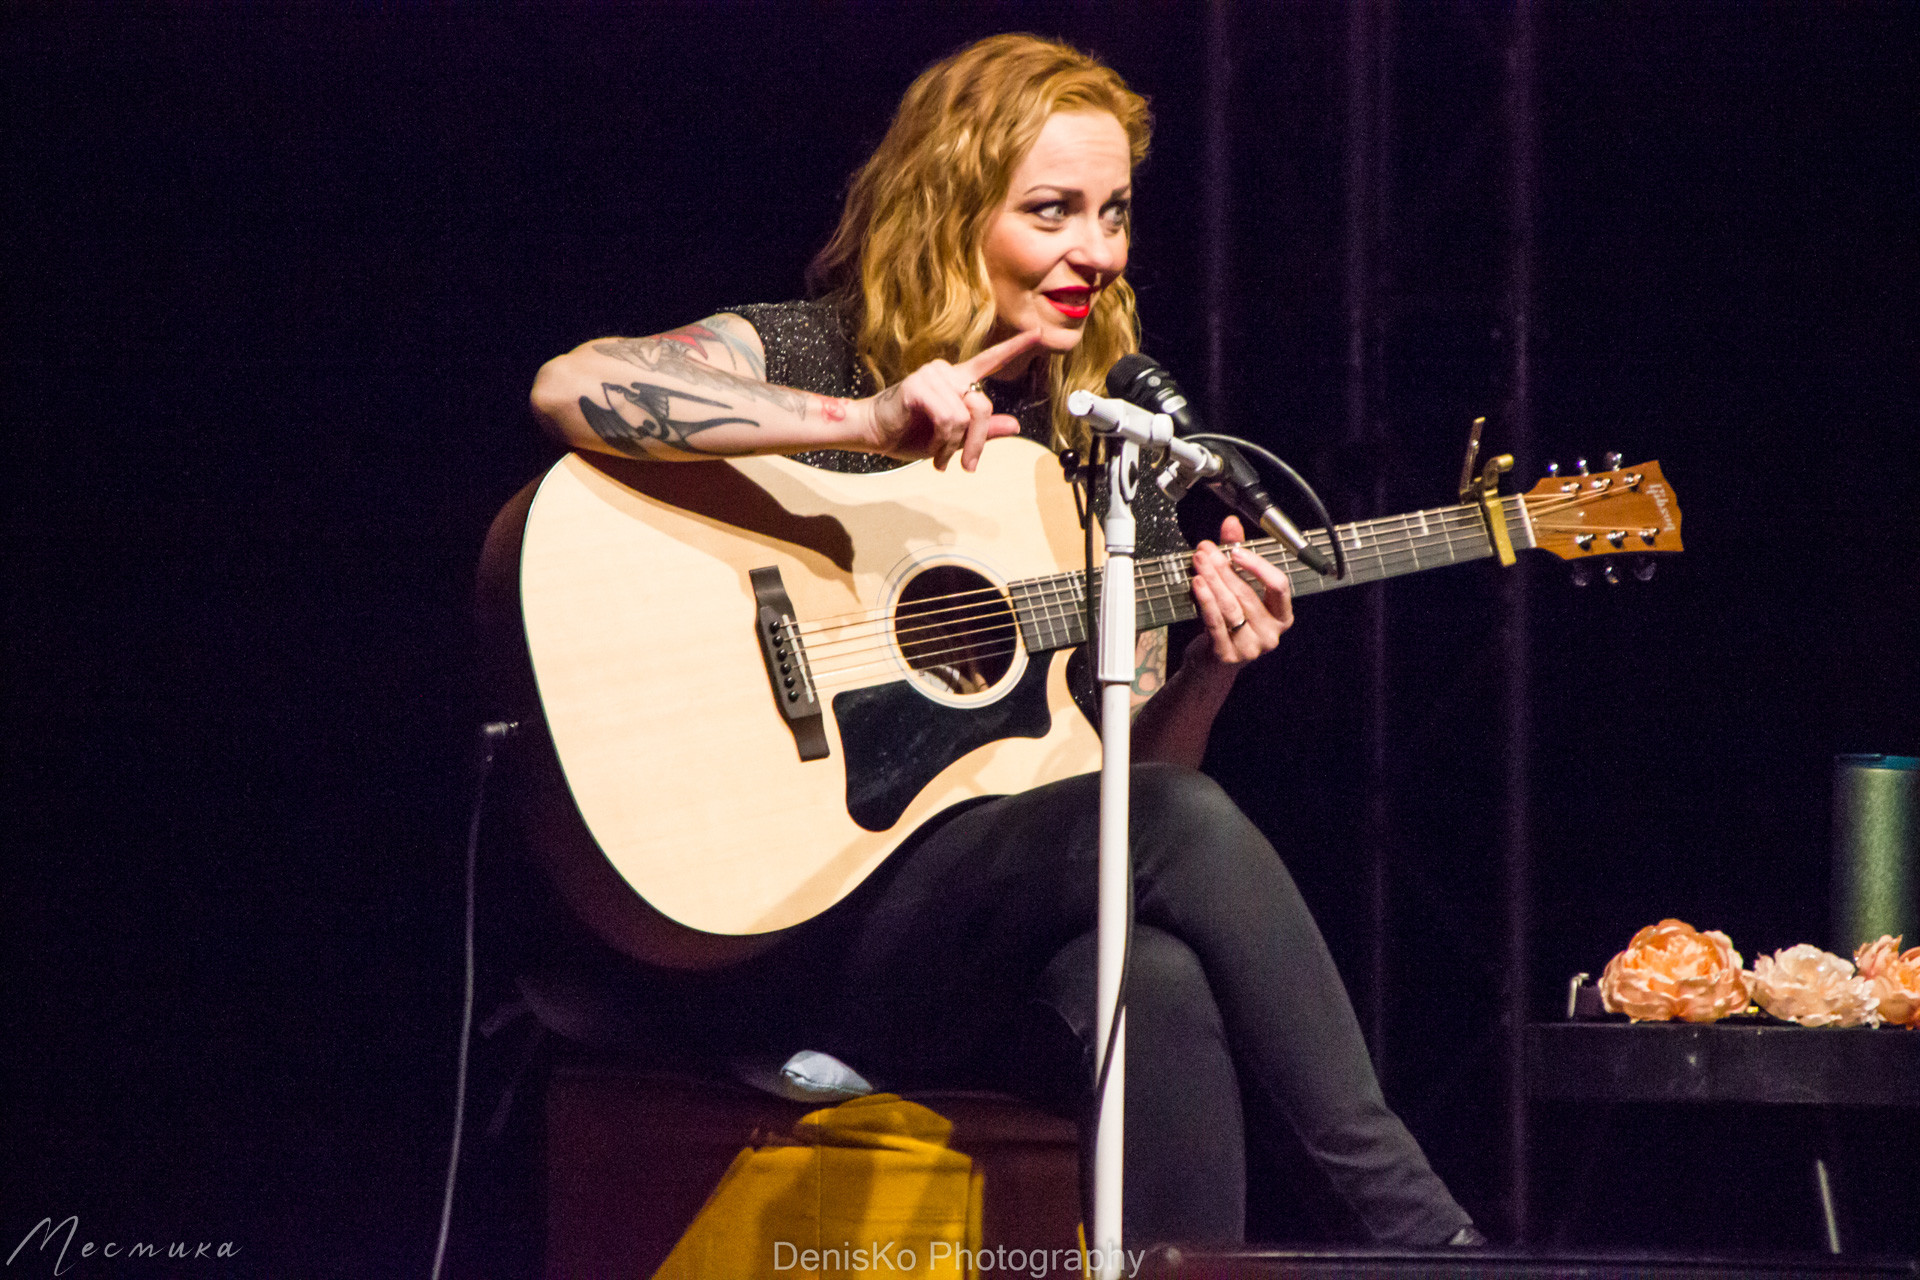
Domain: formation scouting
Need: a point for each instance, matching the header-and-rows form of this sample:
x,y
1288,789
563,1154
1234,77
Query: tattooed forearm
x,y
1149,666
693,379
657,425
667,355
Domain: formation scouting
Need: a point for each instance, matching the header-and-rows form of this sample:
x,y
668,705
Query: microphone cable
x,y
1140,380
492,735
1299,482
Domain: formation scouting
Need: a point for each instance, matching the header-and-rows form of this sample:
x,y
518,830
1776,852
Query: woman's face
x,y
1061,236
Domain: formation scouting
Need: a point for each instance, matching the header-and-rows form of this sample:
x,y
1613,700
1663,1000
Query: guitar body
x,y
676,813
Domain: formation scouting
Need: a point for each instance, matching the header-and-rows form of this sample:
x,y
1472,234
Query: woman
x,y
975,280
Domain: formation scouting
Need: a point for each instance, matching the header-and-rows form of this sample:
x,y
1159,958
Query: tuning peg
x,y
1582,464
1611,574
1582,575
1613,460
1553,468
1643,567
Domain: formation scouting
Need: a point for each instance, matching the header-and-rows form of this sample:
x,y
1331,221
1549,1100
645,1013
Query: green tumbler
x,y
1876,849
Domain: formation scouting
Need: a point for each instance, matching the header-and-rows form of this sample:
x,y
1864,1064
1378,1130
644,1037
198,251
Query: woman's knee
x,y
1178,787
1182,818
1176,800
1168,995
1167,986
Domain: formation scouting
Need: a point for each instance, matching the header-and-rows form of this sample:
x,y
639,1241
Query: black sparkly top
x,y
808,348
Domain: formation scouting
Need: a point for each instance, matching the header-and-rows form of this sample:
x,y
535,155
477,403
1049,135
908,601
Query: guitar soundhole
x,y
956,630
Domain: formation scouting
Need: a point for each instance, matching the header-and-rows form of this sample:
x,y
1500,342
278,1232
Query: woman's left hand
x,y
1243,620
1241,623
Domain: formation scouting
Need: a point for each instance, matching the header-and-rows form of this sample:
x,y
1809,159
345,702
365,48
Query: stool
x,y
632,1154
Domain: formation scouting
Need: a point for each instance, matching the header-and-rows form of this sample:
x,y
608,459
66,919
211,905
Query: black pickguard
x,y
897,739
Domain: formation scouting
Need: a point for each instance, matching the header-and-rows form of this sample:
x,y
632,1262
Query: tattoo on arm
x,y
695,338
657,424
1150,666
727,327
668,354
721,334
690,360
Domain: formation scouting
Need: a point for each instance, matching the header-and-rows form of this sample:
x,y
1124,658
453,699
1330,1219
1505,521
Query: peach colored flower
x,y
1671,970
1869,958
1894,976
1814,988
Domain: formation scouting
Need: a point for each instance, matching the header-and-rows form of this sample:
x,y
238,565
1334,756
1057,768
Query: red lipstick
x,y
1074,304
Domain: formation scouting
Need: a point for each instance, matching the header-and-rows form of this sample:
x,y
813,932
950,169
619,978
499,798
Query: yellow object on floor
x,y
868,1188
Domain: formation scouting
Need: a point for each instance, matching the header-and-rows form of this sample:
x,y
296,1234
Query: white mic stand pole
x,y
1116,674
1115,670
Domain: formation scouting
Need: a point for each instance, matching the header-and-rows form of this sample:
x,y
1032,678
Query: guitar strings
x,y
1460,519
1382,550
1159,583
1455,519
1159,571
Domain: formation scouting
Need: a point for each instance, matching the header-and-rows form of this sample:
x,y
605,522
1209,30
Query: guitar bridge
x,y
786,659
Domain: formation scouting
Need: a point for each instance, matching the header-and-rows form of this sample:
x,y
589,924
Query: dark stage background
x,y
277,282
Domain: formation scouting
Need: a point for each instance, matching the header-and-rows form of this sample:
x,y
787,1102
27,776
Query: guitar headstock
x,y
1629,510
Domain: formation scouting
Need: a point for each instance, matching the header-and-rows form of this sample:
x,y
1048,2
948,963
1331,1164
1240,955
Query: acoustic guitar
x,y
757,677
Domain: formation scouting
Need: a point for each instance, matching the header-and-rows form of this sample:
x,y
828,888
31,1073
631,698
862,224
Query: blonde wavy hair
x,y
906,265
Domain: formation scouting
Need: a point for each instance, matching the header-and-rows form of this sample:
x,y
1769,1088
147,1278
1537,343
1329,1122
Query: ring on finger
x,y
975,386
1236,626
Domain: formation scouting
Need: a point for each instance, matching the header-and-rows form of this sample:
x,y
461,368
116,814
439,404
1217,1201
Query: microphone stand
x,y
1186,462
1130,427
1115,670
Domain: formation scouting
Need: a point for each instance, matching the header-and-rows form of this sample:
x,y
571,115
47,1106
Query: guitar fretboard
x,y
1052,610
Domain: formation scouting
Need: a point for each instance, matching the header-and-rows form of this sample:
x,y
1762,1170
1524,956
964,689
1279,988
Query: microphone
x,y
1139,379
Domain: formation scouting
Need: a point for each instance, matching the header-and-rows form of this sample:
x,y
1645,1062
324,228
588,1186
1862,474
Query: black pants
x,y
950,965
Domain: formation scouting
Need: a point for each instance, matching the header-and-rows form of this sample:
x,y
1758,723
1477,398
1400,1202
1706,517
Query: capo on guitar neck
x,y
1483,491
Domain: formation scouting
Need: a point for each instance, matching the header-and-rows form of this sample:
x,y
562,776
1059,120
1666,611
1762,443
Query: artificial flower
x,y
1894,977
1814,988
1671,970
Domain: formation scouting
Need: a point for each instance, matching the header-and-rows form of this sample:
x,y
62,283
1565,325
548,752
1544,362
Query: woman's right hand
x,y
937,410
